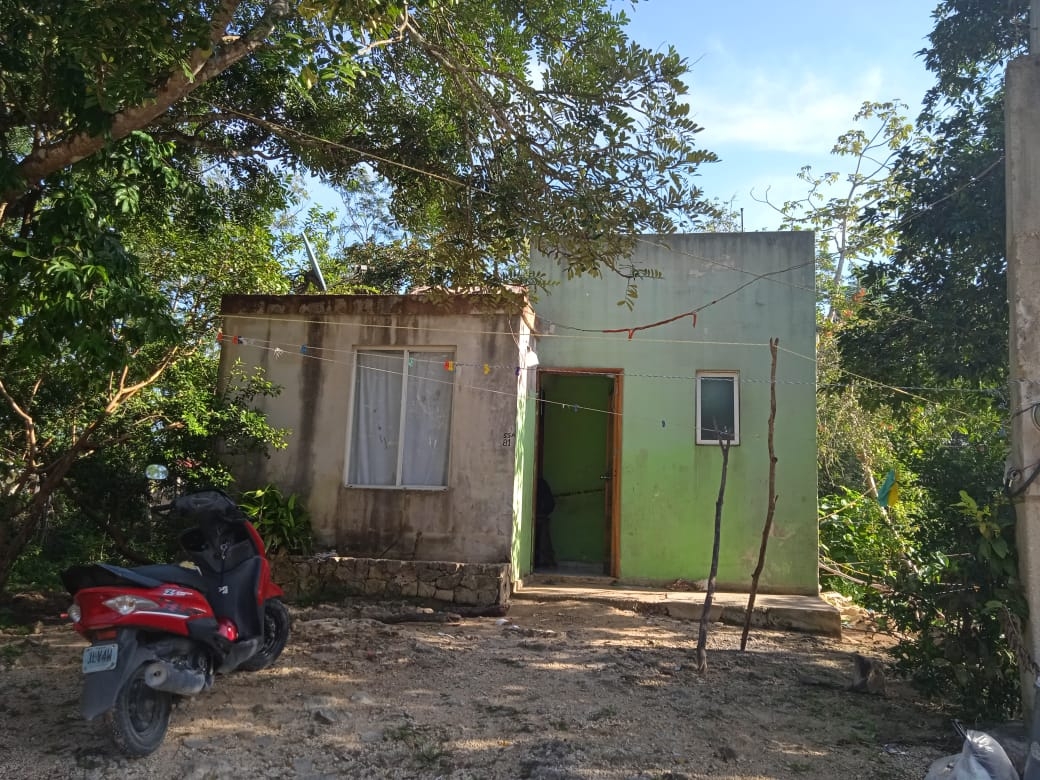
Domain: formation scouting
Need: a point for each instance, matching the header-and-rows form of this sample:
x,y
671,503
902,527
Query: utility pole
x,y
1034,27
1022,161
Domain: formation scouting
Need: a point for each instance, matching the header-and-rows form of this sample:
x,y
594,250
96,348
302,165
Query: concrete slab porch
x,y
809,614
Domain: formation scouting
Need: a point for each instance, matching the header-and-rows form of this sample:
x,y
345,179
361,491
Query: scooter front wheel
x,y
140,716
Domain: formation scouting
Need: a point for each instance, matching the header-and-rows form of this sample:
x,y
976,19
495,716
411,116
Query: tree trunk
x,y
24,522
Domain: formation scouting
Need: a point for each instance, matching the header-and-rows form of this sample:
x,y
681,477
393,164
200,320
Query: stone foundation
x,y
473,585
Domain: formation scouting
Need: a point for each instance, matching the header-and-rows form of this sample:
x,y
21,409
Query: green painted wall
x,y
669,484
521,551
524,477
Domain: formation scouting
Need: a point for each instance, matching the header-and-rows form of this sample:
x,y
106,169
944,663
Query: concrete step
x,y
809,614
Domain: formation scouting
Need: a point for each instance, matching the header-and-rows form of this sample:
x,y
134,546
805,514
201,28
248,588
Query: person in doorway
x,y
545,503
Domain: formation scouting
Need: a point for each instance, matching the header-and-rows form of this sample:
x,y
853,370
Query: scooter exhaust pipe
x,y
164,676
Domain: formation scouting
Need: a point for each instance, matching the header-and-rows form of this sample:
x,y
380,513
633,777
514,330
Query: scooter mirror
x,y
157,472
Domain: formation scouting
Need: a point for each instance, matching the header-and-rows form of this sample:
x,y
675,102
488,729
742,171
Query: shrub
x,y
282,521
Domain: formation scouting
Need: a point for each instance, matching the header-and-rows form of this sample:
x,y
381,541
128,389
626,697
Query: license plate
x,y
100,658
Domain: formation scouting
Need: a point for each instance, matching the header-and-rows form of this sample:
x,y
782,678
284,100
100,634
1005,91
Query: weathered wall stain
x,y
311,375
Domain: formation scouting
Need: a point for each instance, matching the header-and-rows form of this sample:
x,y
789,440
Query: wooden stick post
x,y
702,634
771,500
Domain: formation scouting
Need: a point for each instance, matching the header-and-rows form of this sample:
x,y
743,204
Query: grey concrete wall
x,y
472,520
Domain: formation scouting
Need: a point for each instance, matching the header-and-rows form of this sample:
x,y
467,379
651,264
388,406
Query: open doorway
x,y
576,528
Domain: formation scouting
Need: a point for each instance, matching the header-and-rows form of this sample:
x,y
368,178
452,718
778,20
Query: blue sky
x,y
775,83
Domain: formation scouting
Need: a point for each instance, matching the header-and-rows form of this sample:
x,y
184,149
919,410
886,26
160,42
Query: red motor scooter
x,y
161,632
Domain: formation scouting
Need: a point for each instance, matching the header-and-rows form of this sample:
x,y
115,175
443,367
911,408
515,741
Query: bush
x,y
941,565
282,521
962,609
860,540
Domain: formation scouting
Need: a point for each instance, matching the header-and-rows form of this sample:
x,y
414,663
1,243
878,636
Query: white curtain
x,y
377,418
427,419
384,381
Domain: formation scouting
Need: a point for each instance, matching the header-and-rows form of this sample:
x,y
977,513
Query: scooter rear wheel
x,y
140,717
276,634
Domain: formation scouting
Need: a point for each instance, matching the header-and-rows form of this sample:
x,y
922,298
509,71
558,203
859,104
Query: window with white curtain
x,y
401,419
718,407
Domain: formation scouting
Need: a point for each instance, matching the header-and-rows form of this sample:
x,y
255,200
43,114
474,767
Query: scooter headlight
x,y
125,604
75,613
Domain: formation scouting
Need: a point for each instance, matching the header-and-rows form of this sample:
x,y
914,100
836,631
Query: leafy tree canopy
x,y
495,122
937,309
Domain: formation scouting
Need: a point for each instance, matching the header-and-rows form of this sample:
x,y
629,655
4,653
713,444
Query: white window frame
x,y
733,375
407,351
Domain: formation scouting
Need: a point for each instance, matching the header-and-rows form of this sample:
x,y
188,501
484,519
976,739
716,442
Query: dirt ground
x,y
554,691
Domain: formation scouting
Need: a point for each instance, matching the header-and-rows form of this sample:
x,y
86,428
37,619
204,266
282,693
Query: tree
x,y
436,97
861,542
108,358
836,202
144,149
937,308
929,333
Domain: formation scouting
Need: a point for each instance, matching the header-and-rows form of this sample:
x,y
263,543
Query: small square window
x,y
401,419
718,407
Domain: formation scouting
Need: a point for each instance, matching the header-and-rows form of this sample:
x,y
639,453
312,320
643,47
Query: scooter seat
x,y
171,573
95,575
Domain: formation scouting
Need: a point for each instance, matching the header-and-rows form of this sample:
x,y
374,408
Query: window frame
x,y
733,375
405,351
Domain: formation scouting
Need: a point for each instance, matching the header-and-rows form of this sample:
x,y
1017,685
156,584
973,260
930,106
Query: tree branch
x,y
202,66
401,28
27,421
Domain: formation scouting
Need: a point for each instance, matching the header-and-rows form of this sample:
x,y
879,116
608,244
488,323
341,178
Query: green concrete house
x,y
424,431
625,428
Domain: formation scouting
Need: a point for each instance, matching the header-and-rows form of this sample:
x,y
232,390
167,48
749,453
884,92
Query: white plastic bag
x,y
981,758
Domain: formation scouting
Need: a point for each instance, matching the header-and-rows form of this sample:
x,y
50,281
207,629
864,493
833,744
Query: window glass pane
x,y
427,426
717,412
377,418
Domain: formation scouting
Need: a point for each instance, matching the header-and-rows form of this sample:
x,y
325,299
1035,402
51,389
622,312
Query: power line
x,y
301,135
455,366
771,276
278,353
308,351
660,243
972,181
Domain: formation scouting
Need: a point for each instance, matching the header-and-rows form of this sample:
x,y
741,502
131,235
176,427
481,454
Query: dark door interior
x,y
575,451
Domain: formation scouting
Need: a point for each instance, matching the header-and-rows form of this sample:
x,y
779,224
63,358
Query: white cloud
x,y
780,112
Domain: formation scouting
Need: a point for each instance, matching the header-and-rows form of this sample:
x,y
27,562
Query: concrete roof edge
x,y
475,304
